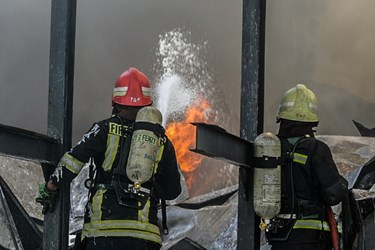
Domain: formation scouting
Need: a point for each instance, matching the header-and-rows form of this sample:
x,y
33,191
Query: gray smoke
x,y
328,45
111,37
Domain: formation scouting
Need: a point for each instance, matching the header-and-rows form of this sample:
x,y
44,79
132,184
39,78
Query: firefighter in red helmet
x,y
121,212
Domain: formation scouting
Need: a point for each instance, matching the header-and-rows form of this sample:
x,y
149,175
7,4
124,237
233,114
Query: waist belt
x,y
295,216
286,216
103,186
110,187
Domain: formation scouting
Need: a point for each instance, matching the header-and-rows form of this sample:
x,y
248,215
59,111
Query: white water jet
x,y
173,98
184,79
182,74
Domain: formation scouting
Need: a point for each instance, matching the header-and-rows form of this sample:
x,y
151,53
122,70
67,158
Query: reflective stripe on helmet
x,y
313,107
146,91
120,91
286,104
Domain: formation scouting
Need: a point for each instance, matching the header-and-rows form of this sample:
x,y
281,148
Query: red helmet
x,y
132,88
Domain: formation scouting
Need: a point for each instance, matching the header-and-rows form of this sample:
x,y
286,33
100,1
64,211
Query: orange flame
x,y
182,135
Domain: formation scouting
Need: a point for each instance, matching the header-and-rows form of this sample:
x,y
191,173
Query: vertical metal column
x,y
252,108
60,110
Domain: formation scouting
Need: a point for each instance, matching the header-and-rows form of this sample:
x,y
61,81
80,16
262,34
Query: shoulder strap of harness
x,y
124,150
160,191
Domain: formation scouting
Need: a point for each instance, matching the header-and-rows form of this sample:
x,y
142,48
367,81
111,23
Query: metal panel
x,y
215,142
29,234
28,145
186,244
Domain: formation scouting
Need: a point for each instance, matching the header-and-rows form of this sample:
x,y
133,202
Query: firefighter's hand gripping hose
x,y
46,198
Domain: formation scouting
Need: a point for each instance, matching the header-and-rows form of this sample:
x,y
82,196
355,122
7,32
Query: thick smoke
x,y
328,46
111,36
325,44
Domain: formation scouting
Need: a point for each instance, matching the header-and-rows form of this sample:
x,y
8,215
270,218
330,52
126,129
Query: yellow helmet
x,y
298,104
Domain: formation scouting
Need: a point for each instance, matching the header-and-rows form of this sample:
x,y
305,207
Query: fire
x,y
182,135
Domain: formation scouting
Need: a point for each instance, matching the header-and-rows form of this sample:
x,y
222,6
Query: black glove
x,y
46,198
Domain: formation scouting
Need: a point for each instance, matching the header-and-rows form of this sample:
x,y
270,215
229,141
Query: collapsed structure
x,y
208,221
213,221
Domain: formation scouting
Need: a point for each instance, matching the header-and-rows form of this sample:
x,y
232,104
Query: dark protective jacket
x,y
310,180
104,216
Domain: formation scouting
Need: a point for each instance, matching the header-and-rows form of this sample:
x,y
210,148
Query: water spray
x,y
184,75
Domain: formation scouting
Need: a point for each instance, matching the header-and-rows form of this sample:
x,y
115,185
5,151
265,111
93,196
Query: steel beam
x,y
60,110
215,142
28,145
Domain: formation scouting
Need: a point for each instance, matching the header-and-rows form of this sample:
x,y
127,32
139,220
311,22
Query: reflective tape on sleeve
x,y
71,163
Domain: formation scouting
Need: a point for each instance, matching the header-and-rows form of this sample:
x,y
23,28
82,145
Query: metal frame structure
x,y
60,111
252,109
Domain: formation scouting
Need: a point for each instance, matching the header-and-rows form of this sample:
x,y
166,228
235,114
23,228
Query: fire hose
x,y
333,227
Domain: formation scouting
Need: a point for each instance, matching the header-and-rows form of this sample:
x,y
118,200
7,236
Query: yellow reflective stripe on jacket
x,y
339,227
144,213
129,228
158,158
300,158
312,224
71,163
96,205
122,224
122,233
111,151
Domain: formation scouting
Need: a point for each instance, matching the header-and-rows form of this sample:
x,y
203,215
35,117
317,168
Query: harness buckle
x,y
131,197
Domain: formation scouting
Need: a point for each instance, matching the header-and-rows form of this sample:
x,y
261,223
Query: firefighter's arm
x,y
72,162
168,175
334,194
67,169
333,187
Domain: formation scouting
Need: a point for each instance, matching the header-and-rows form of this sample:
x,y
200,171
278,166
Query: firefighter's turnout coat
x,y
310,181
104,216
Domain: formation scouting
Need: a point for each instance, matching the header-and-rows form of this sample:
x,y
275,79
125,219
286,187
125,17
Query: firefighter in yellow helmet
x,y
311,182
121,212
